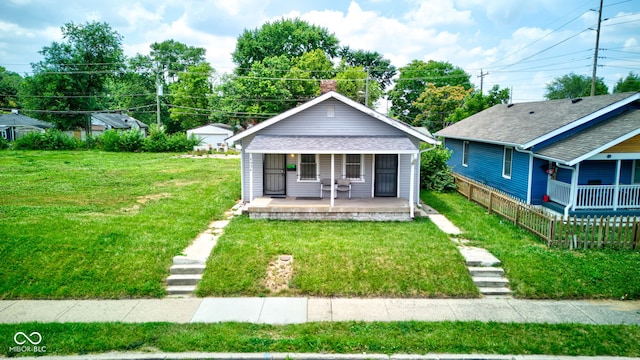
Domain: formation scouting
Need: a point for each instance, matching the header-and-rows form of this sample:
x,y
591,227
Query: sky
x,y
519,44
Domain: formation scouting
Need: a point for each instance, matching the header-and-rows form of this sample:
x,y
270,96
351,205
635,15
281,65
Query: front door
x,y
386,177
274,174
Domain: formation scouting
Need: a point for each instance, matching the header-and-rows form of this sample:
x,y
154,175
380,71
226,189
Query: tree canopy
x,y
414,79
573,86
375,64
629,83
66,85
289,37
9,86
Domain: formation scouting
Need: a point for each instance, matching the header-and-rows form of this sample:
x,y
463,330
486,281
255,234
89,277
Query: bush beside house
x,y
110,140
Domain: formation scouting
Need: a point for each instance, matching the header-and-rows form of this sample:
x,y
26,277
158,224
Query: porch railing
x,y
596,196
615,232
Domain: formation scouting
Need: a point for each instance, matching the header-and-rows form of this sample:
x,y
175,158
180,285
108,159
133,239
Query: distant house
x,y
576,156
101,122
15,125
351,159
212,136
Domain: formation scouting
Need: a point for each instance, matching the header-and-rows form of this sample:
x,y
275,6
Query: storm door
x,y
275,174
386,177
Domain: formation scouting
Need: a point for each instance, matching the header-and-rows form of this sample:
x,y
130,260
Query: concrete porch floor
x,y
296,208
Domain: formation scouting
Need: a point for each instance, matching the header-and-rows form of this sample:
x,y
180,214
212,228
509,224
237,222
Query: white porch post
x,y
411,185
250,177
333,179
373,175
616,191
574,186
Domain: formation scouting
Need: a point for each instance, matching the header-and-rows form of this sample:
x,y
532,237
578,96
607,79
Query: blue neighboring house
x,y
576,156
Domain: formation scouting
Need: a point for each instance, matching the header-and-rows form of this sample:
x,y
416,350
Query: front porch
x,y
312,208
594,200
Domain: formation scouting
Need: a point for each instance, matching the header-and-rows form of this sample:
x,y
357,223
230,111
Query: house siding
x,y
346,122
539,180
315,121
485,166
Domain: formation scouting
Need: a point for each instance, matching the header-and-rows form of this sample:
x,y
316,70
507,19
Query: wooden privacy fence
x,y
617,232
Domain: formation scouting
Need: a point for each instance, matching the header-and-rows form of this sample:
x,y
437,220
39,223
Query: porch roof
x,y
594,140
281,144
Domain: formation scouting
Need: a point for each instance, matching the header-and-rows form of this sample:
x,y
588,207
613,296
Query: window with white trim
x,y
507,162
353,167
308,167
465,153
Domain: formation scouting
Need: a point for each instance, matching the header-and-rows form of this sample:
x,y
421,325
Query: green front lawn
x,y
334,338
353,259
103,225
535,270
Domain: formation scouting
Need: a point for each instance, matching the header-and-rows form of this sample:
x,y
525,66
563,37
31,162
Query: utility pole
x,y
481,76
595,55
366,89
158,93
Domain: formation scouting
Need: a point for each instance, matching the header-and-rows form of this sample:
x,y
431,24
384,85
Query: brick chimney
x,y
328,85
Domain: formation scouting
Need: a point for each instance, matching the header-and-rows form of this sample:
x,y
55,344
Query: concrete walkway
x,y
292,310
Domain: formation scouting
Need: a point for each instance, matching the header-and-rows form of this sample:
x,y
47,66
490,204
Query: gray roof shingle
x,y
22,120
519,124
593,139
330,144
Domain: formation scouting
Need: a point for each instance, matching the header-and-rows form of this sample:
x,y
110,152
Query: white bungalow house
x,y
345,160
212,136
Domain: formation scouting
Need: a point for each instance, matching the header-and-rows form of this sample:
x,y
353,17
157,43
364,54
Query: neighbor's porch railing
x,y
596,196
617,232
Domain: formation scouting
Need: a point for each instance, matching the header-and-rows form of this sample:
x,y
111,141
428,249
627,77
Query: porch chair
x,y
343,185
325,185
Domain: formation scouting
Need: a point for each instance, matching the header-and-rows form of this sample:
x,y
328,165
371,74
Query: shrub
x,y
159,141
434,172
4,144
51,139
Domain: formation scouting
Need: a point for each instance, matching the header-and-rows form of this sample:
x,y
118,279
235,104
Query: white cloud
x,y
429,13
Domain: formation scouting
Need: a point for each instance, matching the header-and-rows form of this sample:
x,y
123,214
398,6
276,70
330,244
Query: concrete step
x,y
183,279
187,269
486,271
181,290
489,282
494,291
184,260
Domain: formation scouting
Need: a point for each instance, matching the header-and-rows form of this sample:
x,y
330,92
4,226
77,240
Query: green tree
x,y
289,37
437,103
378,67
133,92
413,81
476,102
352,82
630,83
9,87
71,78
190,96
163,66
573,86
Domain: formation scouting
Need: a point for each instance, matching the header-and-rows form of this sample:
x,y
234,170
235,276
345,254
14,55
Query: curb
x,y
311,356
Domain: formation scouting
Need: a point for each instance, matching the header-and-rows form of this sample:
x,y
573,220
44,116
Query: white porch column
x,y
250,177
333,179
616,191
373,175
574,186
411,185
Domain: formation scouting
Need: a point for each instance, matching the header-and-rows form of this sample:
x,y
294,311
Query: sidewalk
x,y
289,310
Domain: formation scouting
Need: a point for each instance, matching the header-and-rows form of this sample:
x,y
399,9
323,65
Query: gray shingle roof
x,y
330,144
521,123
118,121
593,139
22,120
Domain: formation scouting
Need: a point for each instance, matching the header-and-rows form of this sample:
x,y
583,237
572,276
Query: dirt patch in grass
x,y
279,273
141,200
176,182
